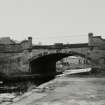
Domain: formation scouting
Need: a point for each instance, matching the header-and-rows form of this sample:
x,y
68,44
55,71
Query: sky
x,y
52,21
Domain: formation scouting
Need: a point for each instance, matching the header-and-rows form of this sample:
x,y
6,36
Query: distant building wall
x,y
10,48
75,60
96,41
15,47
96,48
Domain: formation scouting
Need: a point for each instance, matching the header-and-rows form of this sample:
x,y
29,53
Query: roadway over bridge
x,y
42,59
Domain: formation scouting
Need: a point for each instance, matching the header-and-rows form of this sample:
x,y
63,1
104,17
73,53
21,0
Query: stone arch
x,y
45,64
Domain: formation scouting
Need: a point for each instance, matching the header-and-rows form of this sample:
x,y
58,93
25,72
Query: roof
x,y
6,40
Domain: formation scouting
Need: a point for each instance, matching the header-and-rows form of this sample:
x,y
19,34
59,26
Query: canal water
x,y
68,91
7,93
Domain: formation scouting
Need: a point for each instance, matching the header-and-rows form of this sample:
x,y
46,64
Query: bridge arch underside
x,y
46,65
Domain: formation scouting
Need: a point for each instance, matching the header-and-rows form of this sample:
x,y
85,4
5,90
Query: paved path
x,y
68,91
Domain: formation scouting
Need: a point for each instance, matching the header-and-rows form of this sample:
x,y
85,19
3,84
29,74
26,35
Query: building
x,y
96,48
6,41
96,42
74,60
9,45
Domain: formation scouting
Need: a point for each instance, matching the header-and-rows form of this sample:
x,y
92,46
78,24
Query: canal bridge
x,y
45,63
42,58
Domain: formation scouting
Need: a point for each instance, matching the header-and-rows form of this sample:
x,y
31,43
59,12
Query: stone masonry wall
x,y
15,58
97,48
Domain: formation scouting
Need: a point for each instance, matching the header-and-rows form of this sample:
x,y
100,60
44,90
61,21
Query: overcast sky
x,y
50,21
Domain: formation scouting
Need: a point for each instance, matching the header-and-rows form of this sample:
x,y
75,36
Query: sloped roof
x,y
6,40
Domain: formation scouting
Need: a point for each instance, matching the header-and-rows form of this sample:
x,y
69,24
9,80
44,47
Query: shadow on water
x,y
22,83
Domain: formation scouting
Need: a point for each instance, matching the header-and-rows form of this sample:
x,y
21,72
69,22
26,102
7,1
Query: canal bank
x,y
65,91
